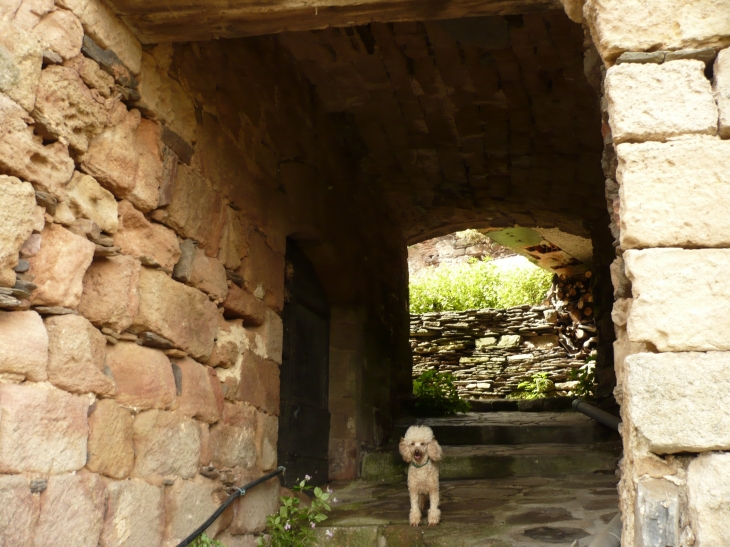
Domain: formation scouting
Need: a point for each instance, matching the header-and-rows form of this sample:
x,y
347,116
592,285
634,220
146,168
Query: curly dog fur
x,y
421,451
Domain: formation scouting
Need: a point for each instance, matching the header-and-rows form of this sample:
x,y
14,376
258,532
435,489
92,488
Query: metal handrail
x,y
238,493
601,416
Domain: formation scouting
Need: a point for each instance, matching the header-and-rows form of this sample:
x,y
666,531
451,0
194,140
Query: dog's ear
x,y
404,451
434,451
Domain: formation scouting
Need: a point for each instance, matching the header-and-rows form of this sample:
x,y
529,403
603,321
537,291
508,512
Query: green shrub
x,y
477,284
437,395
537,388
204,541
586,376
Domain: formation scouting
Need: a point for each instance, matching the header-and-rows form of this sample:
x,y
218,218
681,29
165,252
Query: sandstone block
x,y
198,399
695,426
233,439
134,515
722,91
76,355
21,59
181,314
65,107
708,485
107,30
204,222
230,342
259,385
187,505
109,297
110,446
139,237
640,25
250,511
23,345
656,102
23,154
678,296
87,199
166,443
249,540
146,192
42,430
17,210
60,31
693,179
242,304
209,275
24,15
93,75
59,267
143,376
267,434
269,337
72,508
234,239
165,100
20,511
263,271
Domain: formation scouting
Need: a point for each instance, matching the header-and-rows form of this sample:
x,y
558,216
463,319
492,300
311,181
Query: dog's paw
x,y
434,517
415,519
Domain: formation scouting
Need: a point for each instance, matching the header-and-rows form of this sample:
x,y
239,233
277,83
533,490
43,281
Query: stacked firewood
x,y
573,301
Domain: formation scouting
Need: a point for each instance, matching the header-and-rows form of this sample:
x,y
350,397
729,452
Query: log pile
x,y
573,302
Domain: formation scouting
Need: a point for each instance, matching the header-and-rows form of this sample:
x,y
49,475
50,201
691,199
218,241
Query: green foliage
x,y
437,395
537,388
204,541
477,284
586,376
293,525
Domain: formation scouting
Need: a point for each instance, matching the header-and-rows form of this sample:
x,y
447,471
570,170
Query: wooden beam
x,y
155,21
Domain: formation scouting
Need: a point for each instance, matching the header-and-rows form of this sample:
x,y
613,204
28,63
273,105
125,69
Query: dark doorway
x,y
304,422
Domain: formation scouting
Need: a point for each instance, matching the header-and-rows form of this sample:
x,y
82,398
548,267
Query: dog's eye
x,y
413,444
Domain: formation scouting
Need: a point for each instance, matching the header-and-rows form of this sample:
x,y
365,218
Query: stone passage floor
x,y
509,512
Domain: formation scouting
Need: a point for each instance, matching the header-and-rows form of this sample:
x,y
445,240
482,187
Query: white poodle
x,y
422,451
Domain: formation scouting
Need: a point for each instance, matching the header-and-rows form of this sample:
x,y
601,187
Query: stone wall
x,y
491,351
146,200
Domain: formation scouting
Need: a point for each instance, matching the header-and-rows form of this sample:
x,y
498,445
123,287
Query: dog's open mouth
x,y
417,454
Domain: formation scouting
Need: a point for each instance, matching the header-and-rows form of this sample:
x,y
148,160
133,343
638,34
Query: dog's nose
x,y
417,453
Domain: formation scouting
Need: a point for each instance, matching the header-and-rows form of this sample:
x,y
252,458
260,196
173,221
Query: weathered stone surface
x,y
166,443
23,154
708,485
233,439
230,342
198,399
639,25
269,337
657,512
93,75
134,515
21,59
72,508
42,429
76,354
656,102
263,271
267,433
678,296
259,385
20,512
107,30
187,505
695,426
110,296
143,376
239,303
181,314
722,90
17,209
234,239
250,511
249,540
675,194
209,275
148,178
59,267
204,222
110,446
87,199
66,107
139,237
61,32
165,100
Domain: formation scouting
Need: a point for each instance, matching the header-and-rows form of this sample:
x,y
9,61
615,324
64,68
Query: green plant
x,y
294,525
437,395
477,284
586,376
204,541
536,388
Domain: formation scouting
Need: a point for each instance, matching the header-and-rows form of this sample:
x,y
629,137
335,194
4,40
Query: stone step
x,y
500,461
513,428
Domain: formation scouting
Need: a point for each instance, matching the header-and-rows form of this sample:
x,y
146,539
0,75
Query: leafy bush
x,y
204,541
586,376
293,525
537,388
437,395
477,284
